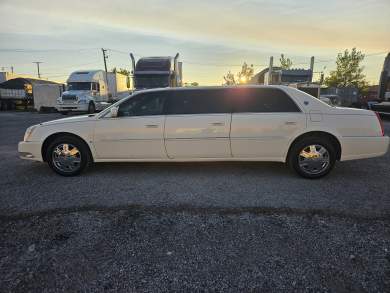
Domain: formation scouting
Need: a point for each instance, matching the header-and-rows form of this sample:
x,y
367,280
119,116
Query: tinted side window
x,y
197,102
143,105
262,100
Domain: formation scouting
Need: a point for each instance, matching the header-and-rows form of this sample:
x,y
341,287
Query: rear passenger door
x,y
263,122
197,124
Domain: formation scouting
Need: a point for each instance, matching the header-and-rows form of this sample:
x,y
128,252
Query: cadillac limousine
x,y
245,123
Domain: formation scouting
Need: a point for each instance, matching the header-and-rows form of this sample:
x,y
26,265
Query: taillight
x,y
380,123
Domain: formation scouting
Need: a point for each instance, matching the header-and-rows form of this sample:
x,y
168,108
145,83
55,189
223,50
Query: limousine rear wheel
x,y
312,157
68,155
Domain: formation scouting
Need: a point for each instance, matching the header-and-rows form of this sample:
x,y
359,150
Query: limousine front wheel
x,y
68,156
312,157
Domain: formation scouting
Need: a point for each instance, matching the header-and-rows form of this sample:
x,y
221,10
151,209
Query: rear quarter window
x,y
262,100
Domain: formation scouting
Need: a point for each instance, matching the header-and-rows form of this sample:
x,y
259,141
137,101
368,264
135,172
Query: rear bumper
x,y
363,147
30,150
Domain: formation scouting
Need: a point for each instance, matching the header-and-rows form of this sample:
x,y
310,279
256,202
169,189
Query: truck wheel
x,y
91,108
68,156
5,105
312,157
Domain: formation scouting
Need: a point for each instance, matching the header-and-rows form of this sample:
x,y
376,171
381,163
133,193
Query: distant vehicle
x,y
384,90
246,123
90,91
18,93
46,95
333,100
156,72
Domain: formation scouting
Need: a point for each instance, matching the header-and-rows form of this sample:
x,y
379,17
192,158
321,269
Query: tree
x,y
121,71
194,83
242,77
285,63
229,78
349,71
245,74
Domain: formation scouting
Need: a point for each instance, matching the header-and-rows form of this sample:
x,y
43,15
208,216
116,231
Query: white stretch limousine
x,y
246,123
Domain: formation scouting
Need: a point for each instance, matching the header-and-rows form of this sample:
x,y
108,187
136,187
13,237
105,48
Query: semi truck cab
x,y
156,72
90,91
384,90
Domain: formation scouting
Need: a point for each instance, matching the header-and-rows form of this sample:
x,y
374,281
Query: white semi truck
x,y
94,90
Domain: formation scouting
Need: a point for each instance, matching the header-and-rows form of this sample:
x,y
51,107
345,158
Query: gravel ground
x,y
187,227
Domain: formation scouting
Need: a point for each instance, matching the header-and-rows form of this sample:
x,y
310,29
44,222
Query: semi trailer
x,y
23,93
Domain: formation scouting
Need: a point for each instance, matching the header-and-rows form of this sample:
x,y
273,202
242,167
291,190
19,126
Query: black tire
x,y
5,106
64,112
294,157
83,150
91,108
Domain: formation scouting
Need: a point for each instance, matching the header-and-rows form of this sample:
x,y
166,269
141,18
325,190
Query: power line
x,y
220,64
18,50
75,65
121,52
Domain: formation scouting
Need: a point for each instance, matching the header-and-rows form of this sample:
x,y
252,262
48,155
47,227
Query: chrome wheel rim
x,y
314,159
66,157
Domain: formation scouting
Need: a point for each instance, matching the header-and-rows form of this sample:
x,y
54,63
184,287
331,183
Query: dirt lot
x,y
174,227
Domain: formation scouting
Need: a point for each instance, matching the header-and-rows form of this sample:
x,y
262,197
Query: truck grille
x,y
69,98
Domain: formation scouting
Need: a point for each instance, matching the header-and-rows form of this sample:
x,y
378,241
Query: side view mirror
x,y
114,112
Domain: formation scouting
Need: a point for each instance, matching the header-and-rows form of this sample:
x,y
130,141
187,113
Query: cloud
x,y
218,31
293,24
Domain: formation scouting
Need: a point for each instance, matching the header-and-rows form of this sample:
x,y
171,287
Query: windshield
x,y
151,81
79,86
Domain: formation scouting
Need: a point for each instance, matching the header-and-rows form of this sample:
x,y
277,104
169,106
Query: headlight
x,y
29,132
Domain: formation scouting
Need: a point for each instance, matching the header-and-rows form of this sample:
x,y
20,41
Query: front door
x,y
137,132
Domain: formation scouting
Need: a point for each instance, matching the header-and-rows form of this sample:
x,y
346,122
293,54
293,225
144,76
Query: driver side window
x,y
146,104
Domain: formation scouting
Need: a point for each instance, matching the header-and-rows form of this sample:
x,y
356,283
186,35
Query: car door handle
x,y
151,126
218,124
290,123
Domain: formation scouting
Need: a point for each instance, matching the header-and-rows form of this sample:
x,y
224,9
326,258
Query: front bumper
x,y
72,107
29,150
363,147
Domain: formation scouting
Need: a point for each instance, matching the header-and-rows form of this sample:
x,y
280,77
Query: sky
x,y
212,37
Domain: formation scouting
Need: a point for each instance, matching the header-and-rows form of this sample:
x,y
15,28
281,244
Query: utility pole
x,y
311,68
270,71
37,63
12,69
105,68
104,59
